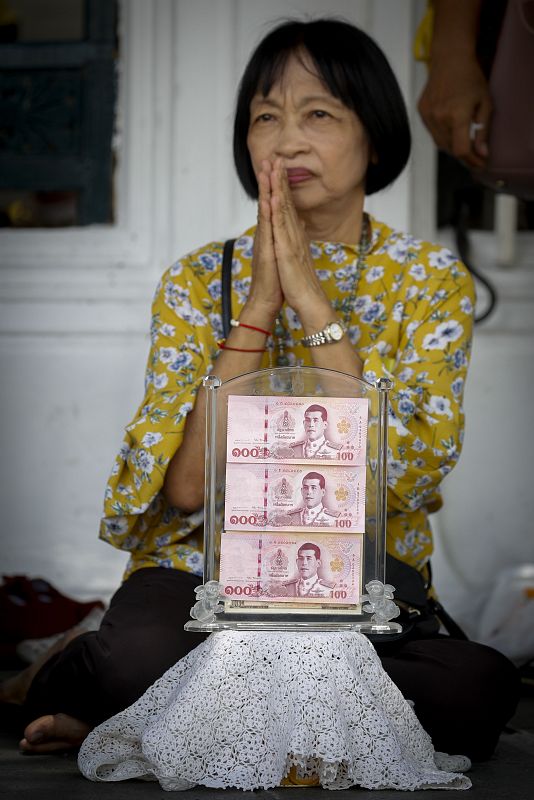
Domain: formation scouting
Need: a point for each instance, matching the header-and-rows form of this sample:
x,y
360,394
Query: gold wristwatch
x,y
333,332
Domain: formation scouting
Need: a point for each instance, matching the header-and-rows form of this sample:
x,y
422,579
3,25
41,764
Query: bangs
x,y
271,66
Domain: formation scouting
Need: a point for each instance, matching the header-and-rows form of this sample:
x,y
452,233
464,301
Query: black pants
x,y
464,692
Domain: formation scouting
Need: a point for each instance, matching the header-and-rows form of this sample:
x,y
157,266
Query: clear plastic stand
x,y
213,611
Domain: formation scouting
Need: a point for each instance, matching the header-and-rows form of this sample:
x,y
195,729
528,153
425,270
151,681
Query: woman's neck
x,y
333,225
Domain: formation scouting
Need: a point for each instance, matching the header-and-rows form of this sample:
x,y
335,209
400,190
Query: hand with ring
x,y
456,108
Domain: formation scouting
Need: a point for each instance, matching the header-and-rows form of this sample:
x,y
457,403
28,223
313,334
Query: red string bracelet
x,y
235,323
223,346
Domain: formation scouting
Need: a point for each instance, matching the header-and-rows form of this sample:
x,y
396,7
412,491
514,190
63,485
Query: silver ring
x,y
473,128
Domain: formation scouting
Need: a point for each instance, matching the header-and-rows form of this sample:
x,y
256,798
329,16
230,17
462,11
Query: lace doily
x,y
242,708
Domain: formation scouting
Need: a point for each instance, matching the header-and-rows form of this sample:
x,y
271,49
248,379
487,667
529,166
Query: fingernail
x,y
35,738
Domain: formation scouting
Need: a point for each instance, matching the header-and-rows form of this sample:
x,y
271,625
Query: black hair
x,y
356,72
310,546
321,409
315,476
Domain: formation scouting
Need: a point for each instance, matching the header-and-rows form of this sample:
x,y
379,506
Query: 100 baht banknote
x,y
294,497
296,429
272,607
295,567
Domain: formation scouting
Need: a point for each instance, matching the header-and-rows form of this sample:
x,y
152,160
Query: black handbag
x,y
421,616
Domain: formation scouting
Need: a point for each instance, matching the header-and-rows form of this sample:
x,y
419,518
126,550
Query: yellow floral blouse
x,y
411,321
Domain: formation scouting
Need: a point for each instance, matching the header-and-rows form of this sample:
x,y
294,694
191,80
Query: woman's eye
x,y
264,117
320,114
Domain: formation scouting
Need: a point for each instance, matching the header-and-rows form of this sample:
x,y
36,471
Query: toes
x,y
54,746
39,730
51,733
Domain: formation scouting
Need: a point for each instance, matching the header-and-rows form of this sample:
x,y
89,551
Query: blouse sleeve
x,y
426,419
136,515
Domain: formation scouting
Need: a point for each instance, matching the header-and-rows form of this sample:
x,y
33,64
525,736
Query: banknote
x,y
267,607
291,567
292,497
297,429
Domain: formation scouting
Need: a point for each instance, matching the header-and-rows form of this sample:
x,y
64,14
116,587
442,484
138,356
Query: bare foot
x,y
15,689
52,733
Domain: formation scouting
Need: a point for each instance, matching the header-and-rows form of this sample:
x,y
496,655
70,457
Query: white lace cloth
x,y
242,708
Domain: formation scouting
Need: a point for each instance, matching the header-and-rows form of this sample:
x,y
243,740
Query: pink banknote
x,y
292,497
297,429
294,567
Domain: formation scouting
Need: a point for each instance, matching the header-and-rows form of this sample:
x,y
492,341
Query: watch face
x,y
336,331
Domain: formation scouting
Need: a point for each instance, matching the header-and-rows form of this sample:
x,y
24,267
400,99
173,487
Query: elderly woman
x,y
320,122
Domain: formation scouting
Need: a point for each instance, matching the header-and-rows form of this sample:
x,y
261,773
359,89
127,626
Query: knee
x,y
472,695
491,678
132,665
136,658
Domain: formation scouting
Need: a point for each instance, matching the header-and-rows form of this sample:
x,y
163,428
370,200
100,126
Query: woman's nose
x,y
291,141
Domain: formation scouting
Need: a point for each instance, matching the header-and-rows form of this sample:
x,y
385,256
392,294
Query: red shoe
x,y
31,608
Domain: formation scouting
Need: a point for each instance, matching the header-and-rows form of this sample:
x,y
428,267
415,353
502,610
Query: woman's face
x,y
321,142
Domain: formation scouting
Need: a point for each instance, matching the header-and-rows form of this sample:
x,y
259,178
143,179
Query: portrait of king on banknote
x,y
307,582
312,512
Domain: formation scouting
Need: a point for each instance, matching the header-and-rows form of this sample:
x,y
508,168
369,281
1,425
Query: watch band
x,y
332,333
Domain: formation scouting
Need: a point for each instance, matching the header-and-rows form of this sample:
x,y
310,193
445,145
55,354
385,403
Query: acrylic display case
x,y
295,527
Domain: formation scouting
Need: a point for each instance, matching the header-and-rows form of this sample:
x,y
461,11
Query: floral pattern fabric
x,y
410,321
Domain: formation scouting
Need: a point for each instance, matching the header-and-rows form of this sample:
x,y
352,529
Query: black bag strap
x,y
411,591
450,625
226,285
409,584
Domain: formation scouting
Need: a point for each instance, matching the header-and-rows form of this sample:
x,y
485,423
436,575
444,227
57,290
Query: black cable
x,y
463,247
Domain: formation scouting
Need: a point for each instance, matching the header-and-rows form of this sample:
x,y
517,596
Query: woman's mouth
x,y
298,175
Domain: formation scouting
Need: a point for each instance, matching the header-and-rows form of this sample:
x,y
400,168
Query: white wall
x,y
485,525
75,303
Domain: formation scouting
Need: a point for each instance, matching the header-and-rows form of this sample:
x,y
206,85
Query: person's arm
x,y
302,289
456,93
426,420
183,486
181,339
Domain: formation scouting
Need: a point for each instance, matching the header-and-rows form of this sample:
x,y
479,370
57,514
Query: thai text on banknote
x,y
297,429
291,567
295,497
